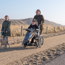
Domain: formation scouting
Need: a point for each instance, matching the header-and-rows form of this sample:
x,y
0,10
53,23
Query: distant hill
x,y
28,22
52,23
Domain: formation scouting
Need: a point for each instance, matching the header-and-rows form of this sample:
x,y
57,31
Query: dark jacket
x,y
40,19
33,26
6,27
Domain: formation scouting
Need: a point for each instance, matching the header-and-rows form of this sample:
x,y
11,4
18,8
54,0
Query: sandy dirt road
x,y
58,61
17,51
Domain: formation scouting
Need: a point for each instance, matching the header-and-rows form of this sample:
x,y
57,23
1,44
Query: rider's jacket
x,y
40,19
33,26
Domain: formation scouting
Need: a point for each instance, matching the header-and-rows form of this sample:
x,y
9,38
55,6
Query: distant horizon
x,y
32,17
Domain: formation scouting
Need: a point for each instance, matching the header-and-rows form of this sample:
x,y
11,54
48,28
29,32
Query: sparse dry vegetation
x,y
16,26
16,29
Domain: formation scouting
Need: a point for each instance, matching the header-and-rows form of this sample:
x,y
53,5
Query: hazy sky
x,y
53,10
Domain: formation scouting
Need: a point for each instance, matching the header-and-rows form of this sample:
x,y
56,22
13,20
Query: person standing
x,y
40,19
6,29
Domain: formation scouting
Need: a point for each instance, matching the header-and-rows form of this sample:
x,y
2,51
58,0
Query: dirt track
x,y
17,52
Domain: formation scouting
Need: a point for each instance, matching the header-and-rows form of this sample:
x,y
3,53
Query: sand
x,y
17,52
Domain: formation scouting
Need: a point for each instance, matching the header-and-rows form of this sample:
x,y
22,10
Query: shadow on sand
x,y
16,48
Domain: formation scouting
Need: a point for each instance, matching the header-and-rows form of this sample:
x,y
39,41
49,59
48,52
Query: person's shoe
x,y
24,46
5,46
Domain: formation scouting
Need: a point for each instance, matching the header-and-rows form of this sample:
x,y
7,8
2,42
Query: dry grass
x,y
51,29
16,29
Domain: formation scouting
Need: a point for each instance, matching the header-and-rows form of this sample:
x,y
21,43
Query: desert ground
x,y
54,46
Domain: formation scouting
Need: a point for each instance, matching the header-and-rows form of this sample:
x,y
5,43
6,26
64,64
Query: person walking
x,y
6,29
40,19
